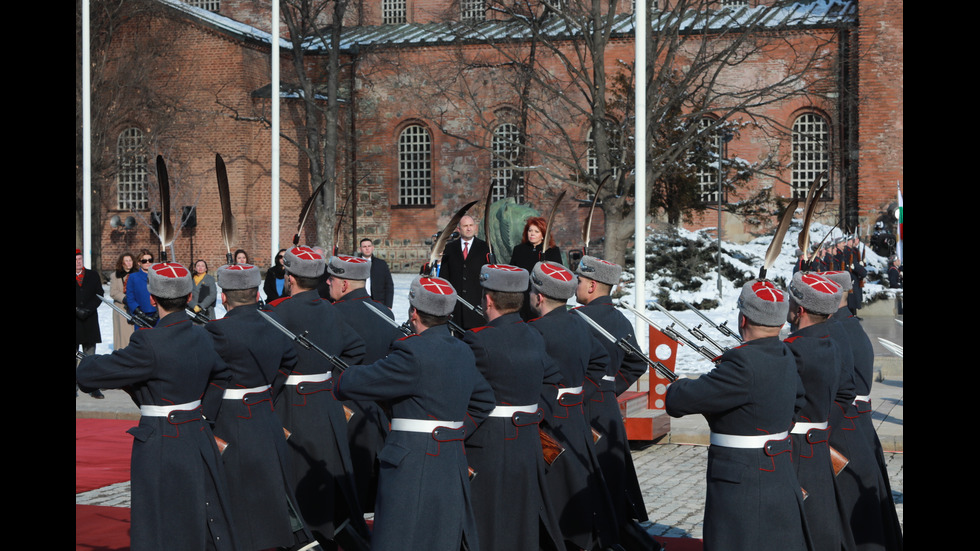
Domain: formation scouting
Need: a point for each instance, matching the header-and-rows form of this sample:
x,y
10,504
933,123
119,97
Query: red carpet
x,y
102,451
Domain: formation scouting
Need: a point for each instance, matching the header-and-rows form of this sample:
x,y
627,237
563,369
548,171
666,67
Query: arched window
x,y
706,170
472,10
811,152
415,166
506,144
131,175
393,12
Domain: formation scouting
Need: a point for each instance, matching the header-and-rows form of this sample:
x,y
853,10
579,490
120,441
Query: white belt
x,y
569,390
803,428
239,393
609,378
739,441
163,411
422,425
509,411
314,378
861,399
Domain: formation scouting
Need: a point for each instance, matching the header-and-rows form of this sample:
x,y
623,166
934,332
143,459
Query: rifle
x,y
629,348
478,310
698,334
199,317
723,328
404,328
302,339
135,318
671,334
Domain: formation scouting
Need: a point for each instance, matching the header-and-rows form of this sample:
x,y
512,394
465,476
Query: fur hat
x,y
349,267
840,278
553,280
599,270
169,280
238,276
304,262
815,293
432,295
503,277
762,303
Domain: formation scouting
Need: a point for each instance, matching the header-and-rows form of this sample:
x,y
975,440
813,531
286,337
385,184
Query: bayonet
x,y
674,335
339,365
478,310
404,328
698,334
723,328
134,318
629,348
199,317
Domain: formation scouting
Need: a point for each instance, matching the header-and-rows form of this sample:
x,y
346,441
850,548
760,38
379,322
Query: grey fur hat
x,y
599,270
762,303
169,280
840,278
432,295
503,277
815,293
349,267
553,280
304,262
239,276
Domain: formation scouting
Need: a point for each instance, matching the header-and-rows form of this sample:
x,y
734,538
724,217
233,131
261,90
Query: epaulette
x,y
478,329
278,301
408,336
790,339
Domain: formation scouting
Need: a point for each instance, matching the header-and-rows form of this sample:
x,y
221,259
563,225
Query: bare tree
x,y
728,66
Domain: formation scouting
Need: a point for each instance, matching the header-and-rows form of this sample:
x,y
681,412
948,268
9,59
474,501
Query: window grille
x,y
415,166
131,174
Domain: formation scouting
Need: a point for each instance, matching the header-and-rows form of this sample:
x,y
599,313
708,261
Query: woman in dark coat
x,y
205,293
275,278
531,250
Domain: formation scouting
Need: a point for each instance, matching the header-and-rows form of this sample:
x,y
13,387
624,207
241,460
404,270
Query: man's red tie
x,y
466,249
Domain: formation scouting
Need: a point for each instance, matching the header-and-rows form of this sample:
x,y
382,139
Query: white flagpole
x,y
640,172
274,99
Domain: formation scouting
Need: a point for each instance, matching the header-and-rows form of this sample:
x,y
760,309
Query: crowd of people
x,y
290,420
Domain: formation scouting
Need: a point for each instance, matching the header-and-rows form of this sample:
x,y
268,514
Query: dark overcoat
x,y
323,476
818,363
464,275
753,498
575,484
424,492
180,498
87,303
602,409
510,492
256,458
368,427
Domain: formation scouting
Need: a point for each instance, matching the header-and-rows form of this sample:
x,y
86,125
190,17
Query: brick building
x,y
419,139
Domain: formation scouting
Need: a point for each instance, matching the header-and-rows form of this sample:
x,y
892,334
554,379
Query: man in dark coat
x,y
596,279
379,283
575,484
323,476
180,498
864,485
256,459
812,300
368,427
461,262
436,396
510,493
88,289
753,498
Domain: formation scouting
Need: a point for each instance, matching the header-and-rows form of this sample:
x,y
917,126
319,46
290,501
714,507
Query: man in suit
x,y
379,284
461,263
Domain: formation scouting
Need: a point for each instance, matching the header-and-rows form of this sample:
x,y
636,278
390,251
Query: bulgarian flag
x,y
901,227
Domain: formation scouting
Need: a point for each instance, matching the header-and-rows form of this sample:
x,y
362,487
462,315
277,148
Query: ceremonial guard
x,y
812,299
753,498
368,427
596,279
461,262
179,494
510,493
575,485
864,484
323,476
256,458
436,396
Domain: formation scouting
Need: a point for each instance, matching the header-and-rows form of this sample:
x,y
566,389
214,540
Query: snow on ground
x,y
747,257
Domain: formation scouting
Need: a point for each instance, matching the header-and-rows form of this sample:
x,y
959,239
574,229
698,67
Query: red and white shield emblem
x,y
556,272
436,286
352,259
305,253
170,269
820,284
503,267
